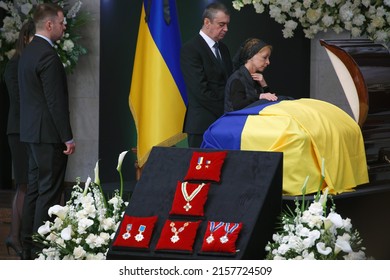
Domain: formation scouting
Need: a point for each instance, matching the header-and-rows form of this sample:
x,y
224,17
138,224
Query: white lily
x,y
96,171
66,233
119,168
120,160
87,183
59,211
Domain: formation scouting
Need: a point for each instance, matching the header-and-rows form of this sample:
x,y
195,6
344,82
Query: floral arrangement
x,y
84,228
369,18
19,12
310,232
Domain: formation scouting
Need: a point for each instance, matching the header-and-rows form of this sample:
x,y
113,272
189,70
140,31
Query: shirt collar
x,y
208,40
47,39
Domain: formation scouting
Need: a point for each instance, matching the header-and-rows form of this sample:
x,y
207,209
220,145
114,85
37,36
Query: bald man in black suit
x,y
205,71
44,120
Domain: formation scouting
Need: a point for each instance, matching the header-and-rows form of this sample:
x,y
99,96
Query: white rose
x,y
79,253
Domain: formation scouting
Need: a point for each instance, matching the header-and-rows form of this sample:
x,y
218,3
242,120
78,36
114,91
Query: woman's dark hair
x,y
26,32
247,50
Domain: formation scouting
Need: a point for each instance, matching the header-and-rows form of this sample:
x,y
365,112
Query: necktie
x,y
217,54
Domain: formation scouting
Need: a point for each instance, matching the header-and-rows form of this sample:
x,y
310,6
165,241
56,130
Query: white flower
x,y
96,171
289,28
311,239
3,5
68,45
59,241
66,233
283,248
308,256
322,249
360,255
316,208
51,237
44,229
336,219
59,211
98,256
311,234
86,228
19,11
87,183
72,13
237,5
108,223
342,244
26,8
79,253
259,8
360,18
327,20
313,15
83,224
120,160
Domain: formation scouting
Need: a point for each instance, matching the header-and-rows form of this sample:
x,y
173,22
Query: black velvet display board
x,y
250,192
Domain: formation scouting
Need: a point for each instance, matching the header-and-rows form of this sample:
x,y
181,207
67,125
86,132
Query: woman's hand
x,y
260,79
269,96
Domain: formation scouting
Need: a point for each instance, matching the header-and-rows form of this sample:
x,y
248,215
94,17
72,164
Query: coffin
x,y
363,69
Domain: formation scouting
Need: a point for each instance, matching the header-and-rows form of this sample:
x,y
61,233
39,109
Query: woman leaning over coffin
x,y
247,84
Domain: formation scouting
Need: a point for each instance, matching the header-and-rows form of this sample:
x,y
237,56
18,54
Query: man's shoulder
x,y
37,47
195,41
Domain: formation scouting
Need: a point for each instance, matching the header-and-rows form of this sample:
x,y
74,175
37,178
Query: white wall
x,y
84,99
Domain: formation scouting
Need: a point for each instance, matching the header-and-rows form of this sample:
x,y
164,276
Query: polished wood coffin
x,y
363,68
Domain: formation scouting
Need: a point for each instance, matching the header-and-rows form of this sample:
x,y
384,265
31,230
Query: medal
x,y
213,228
208,162
200,161
224,238
175,236
127,234
139,237
190,197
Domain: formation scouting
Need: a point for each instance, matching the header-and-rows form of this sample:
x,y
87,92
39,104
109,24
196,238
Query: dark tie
x,y
217,54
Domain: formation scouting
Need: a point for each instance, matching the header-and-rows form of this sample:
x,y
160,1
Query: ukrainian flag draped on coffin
x,y
157,95
309,132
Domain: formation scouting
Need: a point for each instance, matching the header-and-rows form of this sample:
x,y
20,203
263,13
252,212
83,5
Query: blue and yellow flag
x,y
308,132
157,94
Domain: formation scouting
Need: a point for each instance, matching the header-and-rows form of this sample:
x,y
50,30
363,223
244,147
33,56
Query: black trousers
x,y
47,167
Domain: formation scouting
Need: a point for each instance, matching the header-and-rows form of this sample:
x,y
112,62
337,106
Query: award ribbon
x,y
200,161
213,228
190,197
224,238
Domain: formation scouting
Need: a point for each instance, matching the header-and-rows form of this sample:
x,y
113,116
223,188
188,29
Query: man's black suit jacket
x,y
44,105
205,79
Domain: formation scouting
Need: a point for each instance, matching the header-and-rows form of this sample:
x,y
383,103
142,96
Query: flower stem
x,y
121,182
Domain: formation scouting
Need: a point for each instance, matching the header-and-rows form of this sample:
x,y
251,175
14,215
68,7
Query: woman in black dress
x,y
18,149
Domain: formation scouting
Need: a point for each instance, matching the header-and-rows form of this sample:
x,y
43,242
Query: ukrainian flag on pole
x,y
157,95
